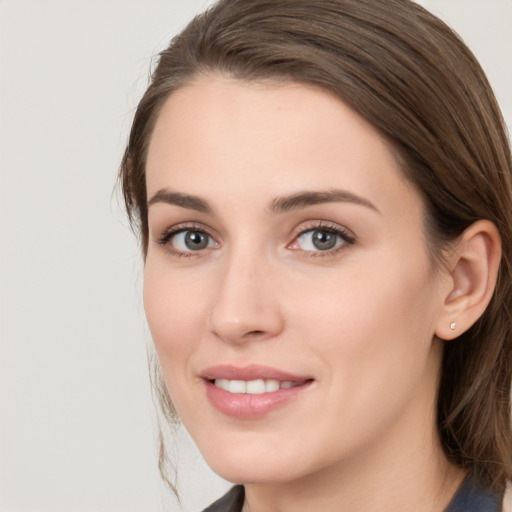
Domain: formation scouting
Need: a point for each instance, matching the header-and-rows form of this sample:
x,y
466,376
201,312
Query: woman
x,y
323,193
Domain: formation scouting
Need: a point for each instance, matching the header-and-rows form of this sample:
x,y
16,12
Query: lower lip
x,y
249,406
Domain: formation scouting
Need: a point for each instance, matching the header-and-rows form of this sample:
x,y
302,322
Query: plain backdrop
x,y
77,430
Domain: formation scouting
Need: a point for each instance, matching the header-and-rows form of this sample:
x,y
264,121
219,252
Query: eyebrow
x,y
302,200
281,204
183,200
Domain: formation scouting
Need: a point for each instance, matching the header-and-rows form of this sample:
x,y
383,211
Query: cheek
x,y
174,304
371,336
372,327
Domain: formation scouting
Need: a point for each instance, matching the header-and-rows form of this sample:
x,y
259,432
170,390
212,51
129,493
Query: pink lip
x,y
245,405
251,372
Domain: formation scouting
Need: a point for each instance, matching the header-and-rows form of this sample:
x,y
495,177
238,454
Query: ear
x,y
473,269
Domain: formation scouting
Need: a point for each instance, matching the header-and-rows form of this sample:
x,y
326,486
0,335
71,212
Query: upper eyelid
x,y
186,226
303,226
319,225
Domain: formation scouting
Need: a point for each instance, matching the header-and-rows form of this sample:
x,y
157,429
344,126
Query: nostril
x,y
254,334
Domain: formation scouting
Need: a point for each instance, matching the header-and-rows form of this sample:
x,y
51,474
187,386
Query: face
x,y
287,287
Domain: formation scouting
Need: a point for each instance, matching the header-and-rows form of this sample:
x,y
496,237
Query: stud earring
x,y
452,326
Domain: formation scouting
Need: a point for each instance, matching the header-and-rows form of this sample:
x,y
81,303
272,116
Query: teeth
x,y
237,386
256,387
253,387
222,383
271,385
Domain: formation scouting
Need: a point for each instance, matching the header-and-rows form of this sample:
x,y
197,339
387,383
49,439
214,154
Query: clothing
x,y
470,497
232,501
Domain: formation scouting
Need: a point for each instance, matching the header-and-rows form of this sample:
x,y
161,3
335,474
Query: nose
x,y
246,306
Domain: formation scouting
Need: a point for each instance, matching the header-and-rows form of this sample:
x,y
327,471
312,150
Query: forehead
x,y
231,137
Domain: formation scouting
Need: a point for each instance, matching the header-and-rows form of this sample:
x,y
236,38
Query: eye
x,y
185,241
322,239
191,241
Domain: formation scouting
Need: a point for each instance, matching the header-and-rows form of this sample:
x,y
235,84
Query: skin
x,y
359,319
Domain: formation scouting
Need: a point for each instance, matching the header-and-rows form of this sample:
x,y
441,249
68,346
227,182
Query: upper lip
x,y
250,372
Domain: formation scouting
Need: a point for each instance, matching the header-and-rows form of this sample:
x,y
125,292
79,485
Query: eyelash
x,y
166,237
346,237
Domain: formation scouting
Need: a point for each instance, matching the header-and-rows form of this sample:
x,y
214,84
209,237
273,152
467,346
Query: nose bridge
x,y
246,305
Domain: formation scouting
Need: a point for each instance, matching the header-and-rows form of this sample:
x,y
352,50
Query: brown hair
x,y
413,78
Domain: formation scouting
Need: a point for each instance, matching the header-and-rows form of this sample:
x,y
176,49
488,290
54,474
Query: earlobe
x,y
473,265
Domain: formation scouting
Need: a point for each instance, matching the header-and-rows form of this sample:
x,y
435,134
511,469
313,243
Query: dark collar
x,y
472,497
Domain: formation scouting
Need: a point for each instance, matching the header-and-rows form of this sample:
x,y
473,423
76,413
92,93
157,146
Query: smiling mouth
x,y
255,387
251,392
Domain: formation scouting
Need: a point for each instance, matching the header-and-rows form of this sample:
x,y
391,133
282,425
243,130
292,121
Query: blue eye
x,y
191,240
322,239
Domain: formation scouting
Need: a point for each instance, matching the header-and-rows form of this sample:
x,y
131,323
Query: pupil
x,y
195,240
324,240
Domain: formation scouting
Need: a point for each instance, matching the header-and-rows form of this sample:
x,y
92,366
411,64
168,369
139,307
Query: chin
x,y
252,463
248,472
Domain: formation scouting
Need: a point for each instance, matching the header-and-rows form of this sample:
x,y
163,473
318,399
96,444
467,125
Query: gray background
x,y
76,417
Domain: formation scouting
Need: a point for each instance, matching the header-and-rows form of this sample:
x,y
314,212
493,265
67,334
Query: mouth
x,y
251,392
